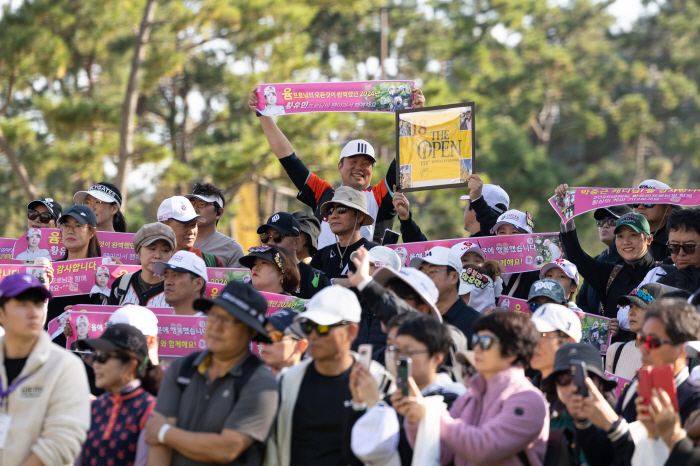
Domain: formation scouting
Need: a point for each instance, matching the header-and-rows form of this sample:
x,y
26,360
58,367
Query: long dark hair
x,y
93,246
119,222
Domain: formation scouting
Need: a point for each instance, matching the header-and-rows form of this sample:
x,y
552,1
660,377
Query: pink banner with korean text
x,y
595,330
275,301
517,253
357,96
581,200
223,276
46,242
87,276
621,383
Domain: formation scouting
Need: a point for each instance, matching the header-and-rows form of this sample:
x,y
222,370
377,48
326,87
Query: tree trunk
x,y
18,167
128,122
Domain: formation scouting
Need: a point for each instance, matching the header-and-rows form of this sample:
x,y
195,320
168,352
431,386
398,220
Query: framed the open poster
x,y
435,147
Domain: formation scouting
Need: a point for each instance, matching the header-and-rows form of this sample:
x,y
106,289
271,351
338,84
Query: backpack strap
x,y
209,259
618,353
249,366
124,285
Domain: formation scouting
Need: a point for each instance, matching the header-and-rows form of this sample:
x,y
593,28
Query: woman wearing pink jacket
x,y
503,419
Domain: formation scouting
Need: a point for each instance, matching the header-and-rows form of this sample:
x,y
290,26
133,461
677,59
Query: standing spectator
x,y
105,200
217,405
515,222
606,219
444,266
273,269
288,342
346,214
311,417
185,281
502,418
657,216
486,203
285,231
43,213
310,230
557,326
153,243
123,369
177,212
46,394
208,202
356,164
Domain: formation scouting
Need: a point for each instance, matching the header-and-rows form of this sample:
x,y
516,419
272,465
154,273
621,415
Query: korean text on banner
x,y
359,96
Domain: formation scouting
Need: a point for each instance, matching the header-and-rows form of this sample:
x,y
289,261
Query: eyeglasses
x,y
94,203
75,227
606,222
339,209
648,206
264,238
653,342
563,379
307,327
485,341
226,322
533,306
550,335
432,272
44,217
198,204
102,357
688,248
397,353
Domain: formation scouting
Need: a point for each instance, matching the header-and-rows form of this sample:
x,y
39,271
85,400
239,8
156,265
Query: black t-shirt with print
x,y
329,261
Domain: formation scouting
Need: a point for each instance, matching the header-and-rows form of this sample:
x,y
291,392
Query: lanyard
x,y
5,393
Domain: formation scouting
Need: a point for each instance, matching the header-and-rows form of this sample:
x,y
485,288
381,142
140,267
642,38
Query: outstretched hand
x,y
362,265
401,205
253,100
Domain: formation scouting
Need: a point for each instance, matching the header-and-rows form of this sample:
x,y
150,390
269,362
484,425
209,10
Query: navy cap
x,y
283,320
53,207
81,213
614,211
18,283
281,222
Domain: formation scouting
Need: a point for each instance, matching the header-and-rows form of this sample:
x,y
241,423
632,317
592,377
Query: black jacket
x,y
370,331
597,272
410,231
687,279
586,298
658,245
485,215
685,453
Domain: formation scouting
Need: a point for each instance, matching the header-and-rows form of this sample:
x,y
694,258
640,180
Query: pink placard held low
x,y
118,246
356,96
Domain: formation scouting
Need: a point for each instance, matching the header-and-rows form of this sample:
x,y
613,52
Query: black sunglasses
x,y
485,341
102,357
264,238
687,248
648,206
44,217
606,222
307,327
341,209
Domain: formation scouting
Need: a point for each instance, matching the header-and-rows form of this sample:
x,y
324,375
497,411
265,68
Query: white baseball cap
x,y
102,269
33,232
513,217
357,147
183,261
211,199
438,255
550,317
332,305
269,90
567,267
467,246
420,282
82,318
493,195
178,208
653,184
137,316
382,256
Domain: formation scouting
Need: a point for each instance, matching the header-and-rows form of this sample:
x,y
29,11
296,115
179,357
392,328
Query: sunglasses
x,y
264,238
648,206
307,327
485,341
606,222
102,357
653,342
563,379
687,248
276,336
533,306
340,209
44,217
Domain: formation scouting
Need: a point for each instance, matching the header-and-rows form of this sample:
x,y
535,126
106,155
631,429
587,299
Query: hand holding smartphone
x,y
365,352
579,373
403,372
657,377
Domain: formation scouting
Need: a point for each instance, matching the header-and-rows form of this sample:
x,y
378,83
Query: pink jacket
x,y
493,422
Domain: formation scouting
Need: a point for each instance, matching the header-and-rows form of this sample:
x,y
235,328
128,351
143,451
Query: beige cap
x,y
152,232
351,198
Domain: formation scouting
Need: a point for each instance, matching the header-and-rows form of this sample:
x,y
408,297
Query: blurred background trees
x,y
559,98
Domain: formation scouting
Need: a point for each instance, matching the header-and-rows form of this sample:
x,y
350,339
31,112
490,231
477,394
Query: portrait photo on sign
x,y
435,146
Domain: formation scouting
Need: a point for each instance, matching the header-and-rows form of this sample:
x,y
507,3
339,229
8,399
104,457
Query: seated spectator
x,y
43,213
566,274
346,213
105,200
143,319
486,203
153,243
124,370
606,219
624,359
476,288
310,230
217,406
426,341
443,267
33,251
284,230
657,215
208,202
500,403
177,212
273,269
558,326
185,281
545,291
514,222
288,342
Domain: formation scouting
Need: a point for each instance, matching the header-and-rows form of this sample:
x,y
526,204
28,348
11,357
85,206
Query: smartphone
x,y
645,384
390,237
578,376
403,372
365,352
662,377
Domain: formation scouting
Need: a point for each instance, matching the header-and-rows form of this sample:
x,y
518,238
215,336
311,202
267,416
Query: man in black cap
x,y
218,405
284,230
606,219
43,213
310,230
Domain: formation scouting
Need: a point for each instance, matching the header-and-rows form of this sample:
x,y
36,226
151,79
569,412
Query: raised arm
x,y
279,143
